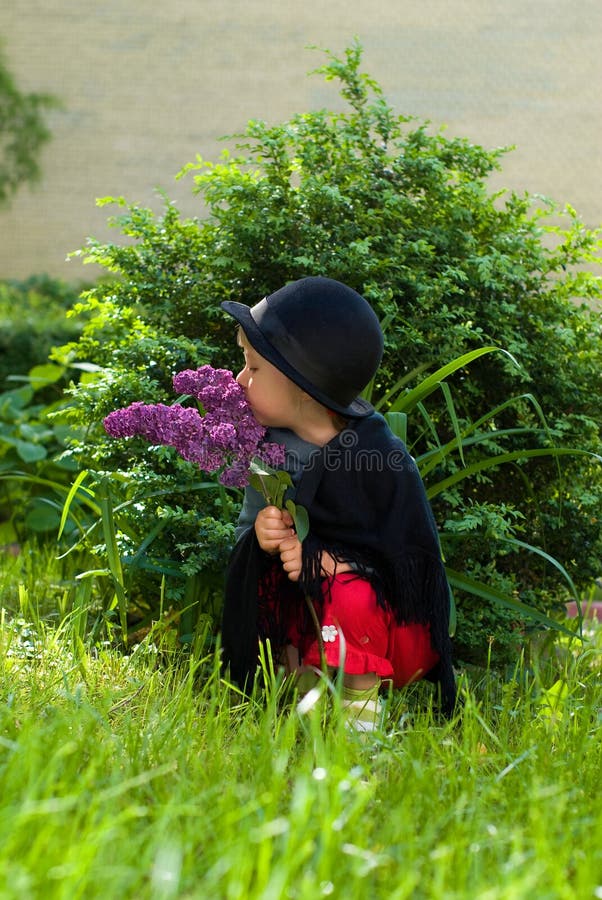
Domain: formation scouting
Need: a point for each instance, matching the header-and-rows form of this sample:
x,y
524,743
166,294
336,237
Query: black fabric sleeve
x,y
246,567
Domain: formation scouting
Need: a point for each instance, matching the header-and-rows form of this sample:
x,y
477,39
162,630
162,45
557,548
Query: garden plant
x,y
23,132
138,776
128,764
492,346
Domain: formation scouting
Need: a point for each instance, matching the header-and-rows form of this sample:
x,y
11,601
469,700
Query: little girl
x,y
371,563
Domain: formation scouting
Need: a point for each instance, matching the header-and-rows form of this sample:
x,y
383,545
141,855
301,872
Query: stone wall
x,y
146,85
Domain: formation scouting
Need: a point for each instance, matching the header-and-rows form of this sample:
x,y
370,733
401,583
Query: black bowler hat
x,y
322,335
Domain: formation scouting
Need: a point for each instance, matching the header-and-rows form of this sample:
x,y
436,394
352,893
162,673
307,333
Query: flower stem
x,y
314,616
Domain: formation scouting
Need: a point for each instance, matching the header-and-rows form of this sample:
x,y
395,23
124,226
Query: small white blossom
x,y
329,634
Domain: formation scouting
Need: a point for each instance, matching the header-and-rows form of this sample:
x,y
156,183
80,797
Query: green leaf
x,y
554,562
398,423
486,592
271,483
407,401
40,376
112,550
13,475
267,485
454,418
502,458
13,401
42,517
69,499
471,435
150,537
384,400
300,518
30,452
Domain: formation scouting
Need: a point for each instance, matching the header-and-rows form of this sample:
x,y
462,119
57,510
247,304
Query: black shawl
x,y
367,505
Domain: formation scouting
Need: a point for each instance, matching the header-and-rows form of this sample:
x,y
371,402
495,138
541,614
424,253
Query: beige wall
x,y
148,84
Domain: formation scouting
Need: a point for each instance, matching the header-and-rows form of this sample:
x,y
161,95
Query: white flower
x,y
329,634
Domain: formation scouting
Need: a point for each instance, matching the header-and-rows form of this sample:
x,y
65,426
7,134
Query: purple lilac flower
x,y
272,455
237,475
213,387
226,437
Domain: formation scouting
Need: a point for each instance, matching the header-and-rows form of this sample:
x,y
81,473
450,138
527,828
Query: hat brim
x,y
357,409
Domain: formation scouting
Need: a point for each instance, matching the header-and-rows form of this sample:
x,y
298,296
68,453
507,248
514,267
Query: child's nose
x,y
241,378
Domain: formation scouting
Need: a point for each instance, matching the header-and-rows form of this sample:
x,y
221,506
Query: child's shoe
x,y
363,710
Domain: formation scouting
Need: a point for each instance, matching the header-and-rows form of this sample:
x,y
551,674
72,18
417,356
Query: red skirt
x,y
365,637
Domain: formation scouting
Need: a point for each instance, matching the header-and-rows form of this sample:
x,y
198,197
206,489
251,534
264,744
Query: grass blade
x,y
493,595
70,496
554,562
406,402
493,461
417,370
112,551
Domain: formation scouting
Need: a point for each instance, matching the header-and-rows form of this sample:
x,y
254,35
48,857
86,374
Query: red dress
x,y
356,630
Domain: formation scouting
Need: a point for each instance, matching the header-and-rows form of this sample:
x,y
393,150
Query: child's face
x,y
272,396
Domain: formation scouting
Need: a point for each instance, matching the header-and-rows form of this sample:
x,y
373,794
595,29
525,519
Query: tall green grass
x,y
140,777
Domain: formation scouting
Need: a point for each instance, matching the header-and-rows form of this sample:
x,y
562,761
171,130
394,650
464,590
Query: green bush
x,y
32,321
404,215
23,133
36,469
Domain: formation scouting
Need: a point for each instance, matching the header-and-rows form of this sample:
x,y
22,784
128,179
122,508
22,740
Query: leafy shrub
x,y
23,132
403,214
35,468
32,321
33,436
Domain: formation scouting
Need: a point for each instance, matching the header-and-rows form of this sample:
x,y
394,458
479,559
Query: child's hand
x,y
272,526
290,556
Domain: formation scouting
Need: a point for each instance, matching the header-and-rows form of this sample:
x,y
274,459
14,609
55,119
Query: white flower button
x,y
329,634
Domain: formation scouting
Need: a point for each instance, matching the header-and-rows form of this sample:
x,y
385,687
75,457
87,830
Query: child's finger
x,y
290,557
287,518
270,531
270,514
290,542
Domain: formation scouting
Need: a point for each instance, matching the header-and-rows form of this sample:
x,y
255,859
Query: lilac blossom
x,y
225,438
